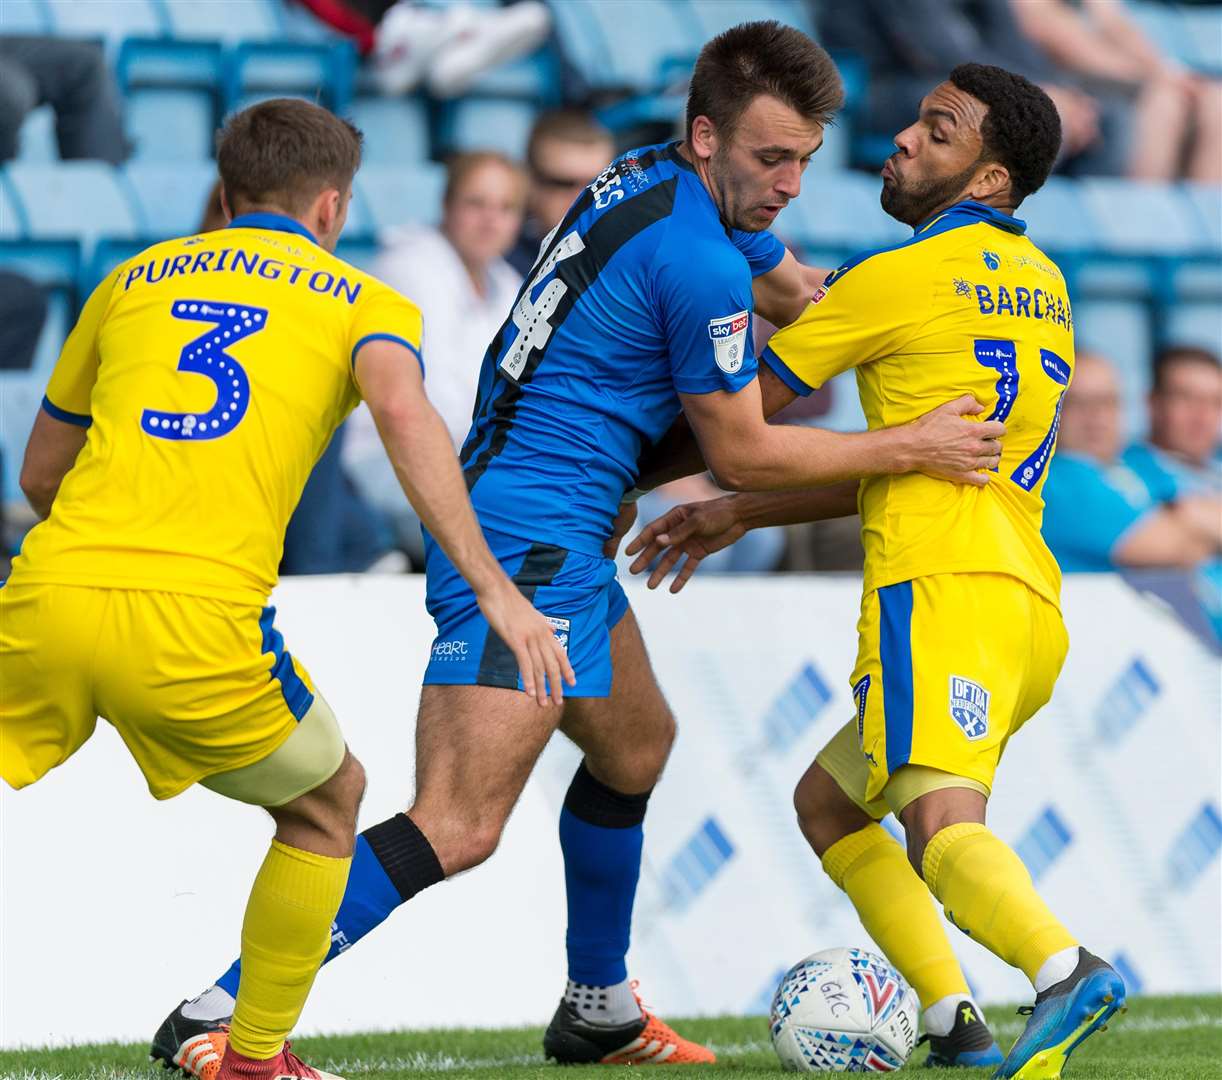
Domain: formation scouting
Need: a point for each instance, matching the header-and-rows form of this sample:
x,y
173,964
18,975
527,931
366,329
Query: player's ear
x,y
704,137
327,211
992,179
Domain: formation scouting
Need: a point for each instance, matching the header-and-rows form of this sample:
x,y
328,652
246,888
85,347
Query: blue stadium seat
x,y
635,44
396,129
1203,34
224,20
20,398
169,63
840,212
1121,331
535,78
55,264
1197,324
77,199
24,17
1143,218
714,16
170,198
392,195
170,125
1057,219
37,140
108,19
12,218
358,249
325,71
489,124
1206,200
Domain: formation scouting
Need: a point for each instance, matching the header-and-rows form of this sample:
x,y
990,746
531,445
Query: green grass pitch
x,y
1161,1038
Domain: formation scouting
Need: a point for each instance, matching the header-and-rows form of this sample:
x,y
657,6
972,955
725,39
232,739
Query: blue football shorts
x,y
577,593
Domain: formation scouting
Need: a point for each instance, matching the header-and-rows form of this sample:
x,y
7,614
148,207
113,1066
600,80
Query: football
x,y
843,1010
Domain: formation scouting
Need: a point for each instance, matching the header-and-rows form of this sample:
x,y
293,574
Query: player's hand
x,y
541,658
624,521
951,446
695,529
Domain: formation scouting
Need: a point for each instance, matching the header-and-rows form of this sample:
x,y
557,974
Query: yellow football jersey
x,y
211,372
967,306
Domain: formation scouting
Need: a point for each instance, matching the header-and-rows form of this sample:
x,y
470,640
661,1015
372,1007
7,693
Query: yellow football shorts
x,y
949,666
198,689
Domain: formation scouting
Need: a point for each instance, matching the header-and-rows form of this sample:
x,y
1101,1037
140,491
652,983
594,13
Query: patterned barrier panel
x,y
1111,795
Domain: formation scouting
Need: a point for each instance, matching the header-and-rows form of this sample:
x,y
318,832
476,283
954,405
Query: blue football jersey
x,y
640,293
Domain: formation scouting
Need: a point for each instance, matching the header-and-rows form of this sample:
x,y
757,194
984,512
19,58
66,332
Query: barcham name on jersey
x,y
234,259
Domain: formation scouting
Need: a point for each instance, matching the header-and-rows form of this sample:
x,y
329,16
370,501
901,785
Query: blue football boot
x,y
1063,1016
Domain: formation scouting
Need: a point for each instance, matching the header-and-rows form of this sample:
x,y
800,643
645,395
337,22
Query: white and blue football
x,y
843,1010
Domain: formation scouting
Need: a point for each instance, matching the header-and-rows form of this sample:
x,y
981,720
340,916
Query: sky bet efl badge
x,y
729,340
969,707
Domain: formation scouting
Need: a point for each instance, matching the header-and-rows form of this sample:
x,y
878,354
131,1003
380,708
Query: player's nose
x,y
789,182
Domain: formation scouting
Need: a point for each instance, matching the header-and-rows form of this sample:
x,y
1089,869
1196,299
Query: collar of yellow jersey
x,y
969,212
276,222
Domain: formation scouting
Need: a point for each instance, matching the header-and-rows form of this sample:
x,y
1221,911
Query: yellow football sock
x,y
988,894
285,936
896,910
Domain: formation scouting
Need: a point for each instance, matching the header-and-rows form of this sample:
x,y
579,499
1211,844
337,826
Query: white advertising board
x,y
114,907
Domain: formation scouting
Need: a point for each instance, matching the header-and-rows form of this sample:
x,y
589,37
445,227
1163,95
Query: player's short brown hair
x,y
766,57
460,166
284,152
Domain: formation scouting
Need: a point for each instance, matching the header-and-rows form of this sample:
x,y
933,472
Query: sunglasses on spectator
x,y
553,181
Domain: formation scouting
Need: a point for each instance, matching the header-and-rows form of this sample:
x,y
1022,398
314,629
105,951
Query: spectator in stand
x,y
74,79
1176,115
567,148
23,310
446,48
1100,513
909,45
458,276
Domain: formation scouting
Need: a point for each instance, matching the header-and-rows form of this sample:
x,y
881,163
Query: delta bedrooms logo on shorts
x,y
969,707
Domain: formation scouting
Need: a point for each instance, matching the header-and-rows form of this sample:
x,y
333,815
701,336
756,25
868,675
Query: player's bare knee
x,y
825,813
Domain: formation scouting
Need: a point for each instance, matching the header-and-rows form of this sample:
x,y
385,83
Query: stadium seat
x,y
358,249
107,19
714,16
12,219
223,20
169,63
488,124
1057,219
1203,35
55,264
323,71
392,195
841,212
170,198
1121,331
75,199
24,17
171,125
533,78
1206,200
396,129
638,45
20,397
37,140
1196,324
1141,218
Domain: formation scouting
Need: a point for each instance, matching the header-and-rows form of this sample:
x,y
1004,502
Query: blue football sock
x,y
392,862
601,835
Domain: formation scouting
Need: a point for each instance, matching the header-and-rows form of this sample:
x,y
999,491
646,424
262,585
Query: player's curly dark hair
x,y
1021,130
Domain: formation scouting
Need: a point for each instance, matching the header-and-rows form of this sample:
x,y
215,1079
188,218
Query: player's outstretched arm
x,y
697,530
419,448
50,453
745,453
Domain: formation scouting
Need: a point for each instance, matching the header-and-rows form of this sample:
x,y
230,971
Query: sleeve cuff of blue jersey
x,y
782,372
388,337
761,269
54,411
